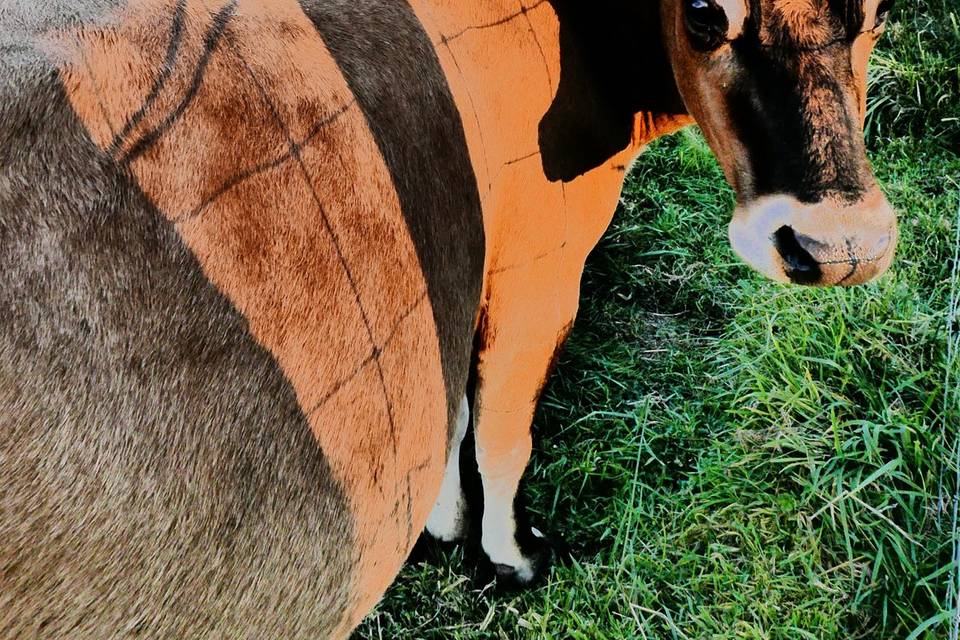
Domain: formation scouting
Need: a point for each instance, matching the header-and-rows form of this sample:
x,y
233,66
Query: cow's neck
x,y
562,78
612,66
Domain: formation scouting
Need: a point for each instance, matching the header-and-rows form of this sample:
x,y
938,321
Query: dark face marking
x,y
706,23
404,96
780,96
790,110
154,458
592,117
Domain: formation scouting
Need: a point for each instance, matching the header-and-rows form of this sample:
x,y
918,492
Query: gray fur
x,y
158,476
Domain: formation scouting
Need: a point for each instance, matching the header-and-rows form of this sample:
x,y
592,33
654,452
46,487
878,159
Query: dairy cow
x,y
255,253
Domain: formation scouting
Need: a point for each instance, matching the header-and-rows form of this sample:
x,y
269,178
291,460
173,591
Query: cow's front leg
x,y
520,336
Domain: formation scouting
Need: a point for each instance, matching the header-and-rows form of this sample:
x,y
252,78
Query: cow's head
x,y
779,89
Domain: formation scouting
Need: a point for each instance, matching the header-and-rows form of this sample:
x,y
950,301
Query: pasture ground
x,y
733,459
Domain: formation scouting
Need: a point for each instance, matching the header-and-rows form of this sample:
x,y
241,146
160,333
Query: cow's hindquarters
x,y
159,474
261,229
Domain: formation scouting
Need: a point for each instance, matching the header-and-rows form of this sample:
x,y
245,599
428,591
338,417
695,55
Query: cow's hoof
x,y
538,553
526,576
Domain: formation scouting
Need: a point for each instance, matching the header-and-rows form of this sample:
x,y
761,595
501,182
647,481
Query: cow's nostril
x,y
802,268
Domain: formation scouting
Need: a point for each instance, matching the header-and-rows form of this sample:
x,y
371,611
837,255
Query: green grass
x,y
730,458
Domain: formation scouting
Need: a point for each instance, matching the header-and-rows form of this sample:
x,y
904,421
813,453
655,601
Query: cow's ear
x,y
613,65
883,10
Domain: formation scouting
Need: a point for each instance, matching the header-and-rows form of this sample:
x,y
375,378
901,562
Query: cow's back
x,y
228,329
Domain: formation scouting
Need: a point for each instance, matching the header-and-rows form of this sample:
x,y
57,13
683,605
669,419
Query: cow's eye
x,y
883,10
706,23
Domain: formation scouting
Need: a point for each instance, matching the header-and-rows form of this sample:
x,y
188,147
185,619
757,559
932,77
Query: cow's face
x,y
779,89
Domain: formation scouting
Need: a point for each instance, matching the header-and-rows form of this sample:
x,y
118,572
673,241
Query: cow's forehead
x,y
802,23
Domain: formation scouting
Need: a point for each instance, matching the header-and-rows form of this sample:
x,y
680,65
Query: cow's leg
x,y
447,521
520,336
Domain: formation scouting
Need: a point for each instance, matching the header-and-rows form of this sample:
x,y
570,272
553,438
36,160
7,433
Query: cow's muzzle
x,y
823,244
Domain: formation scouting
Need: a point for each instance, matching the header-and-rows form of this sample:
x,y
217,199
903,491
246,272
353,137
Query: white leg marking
x,y
499,537
446,521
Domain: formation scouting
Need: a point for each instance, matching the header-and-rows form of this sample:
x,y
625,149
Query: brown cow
x,y
254,250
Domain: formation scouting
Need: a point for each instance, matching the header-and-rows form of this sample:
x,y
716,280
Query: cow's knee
x,y
448,520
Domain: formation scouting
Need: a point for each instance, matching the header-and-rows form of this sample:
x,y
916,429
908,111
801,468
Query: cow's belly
x,y
250,142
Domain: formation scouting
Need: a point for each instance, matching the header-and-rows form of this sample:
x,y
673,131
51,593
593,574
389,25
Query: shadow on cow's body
x,y
255,249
